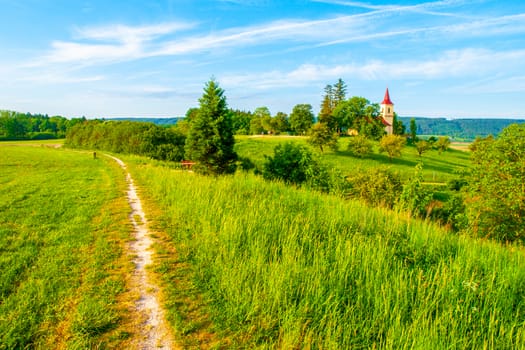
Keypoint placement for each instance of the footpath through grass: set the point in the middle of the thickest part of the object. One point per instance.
(63, 230)
(276, 267)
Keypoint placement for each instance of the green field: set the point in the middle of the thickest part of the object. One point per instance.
(242, 262)
(436, 167)
(277, 267)
(63, 227)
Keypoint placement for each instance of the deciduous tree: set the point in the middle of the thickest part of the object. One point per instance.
(495, 202)
(442, 143)
(392, 145)
(422, 146)
(321, 136)
(359, 146)
(301, 118)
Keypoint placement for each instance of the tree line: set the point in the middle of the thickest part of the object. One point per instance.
(27, 126)
(138, 138)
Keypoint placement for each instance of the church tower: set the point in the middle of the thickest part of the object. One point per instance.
(387, 113)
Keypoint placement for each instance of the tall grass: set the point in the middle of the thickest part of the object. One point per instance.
(287, 268)
(63, 226)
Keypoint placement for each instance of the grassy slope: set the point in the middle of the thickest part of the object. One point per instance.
(436, 167)
(280, 267)
(63, 226)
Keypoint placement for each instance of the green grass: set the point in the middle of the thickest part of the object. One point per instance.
(436, 167)
(284, 268)
(63, 227)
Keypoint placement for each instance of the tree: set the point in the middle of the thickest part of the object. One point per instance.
(495, 193)
(414, 197)
(442, 143)
(398, 127)
(301, 118)
(376, 186)
(359, 146)
(392, 145)
(321, 135)
(422, 146)
(413, 130)
(371, 126)
(281, 123)
(291, 163)
(349, 113)
(210, 140)
(241, 121)
(327, 108)
(339, 92)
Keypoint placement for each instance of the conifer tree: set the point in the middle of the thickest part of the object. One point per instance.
(327, 107)
(339, 92)
(210, 139)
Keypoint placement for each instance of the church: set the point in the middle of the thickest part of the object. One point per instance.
(387, 113)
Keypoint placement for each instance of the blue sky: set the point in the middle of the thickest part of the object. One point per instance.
(447, 58)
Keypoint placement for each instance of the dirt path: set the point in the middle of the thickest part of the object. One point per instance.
(154, 330)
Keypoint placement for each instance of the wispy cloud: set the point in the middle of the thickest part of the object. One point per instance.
(423, 8)
(450, 64)
(111, 43)
(115, 43)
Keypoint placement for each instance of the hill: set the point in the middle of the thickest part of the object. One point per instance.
(280, 267)
(460, 129)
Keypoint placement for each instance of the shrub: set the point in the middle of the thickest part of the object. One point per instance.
(291, 163)
(415, 198)
(377, 186)
(360, 146)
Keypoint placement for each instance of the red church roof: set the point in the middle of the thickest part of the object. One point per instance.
(386, 100)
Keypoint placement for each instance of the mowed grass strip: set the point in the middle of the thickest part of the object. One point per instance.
(284, 268)
(63, 268)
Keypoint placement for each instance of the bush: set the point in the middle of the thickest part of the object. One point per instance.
(291, 163)
(415, 198)
(296, 164)
(360, 146)
(495, 194)
(377, 186)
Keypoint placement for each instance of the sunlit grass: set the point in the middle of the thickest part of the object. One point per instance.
(284, 268)
(63, 227)
(436, 167)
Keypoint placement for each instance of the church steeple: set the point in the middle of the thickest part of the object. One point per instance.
(386, 100)
(387, 113)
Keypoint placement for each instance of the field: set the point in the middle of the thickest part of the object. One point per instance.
(244, 263)
(63, 226)
(437, 168)
(277, 267)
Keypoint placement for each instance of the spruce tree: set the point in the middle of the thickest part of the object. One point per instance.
(327, 108)
(339, 92)
(210, 139)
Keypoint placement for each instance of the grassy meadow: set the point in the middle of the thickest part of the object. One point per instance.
(269, 266)
(63, 230)
(242, 262)
(437, 168)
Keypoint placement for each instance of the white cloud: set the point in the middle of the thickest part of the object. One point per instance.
(423, 8)
(112, 43)
(450, 64)
(117, 43)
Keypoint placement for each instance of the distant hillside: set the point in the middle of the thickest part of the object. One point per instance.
(466, 129)
(158, 121)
